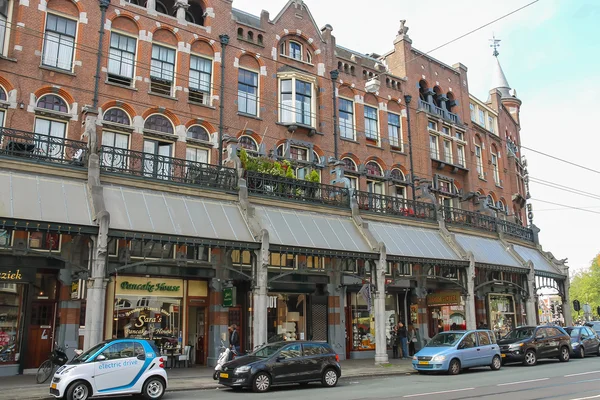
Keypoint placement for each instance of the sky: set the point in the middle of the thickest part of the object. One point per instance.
(549, 53)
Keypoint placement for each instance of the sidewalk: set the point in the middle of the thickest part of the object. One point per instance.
(24, 386)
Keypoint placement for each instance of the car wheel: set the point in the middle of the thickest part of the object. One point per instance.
(598, 353)
(581, 352)
(79, 390)
(216, 376)
(565, 354)
(262, 382)
(496, 363)
(330, 377)
(154, 388)
(454, 367)
(530, 358)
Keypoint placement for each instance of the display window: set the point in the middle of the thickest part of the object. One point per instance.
(11, 298)
(502, 313)
(363, 319)
(286, 317)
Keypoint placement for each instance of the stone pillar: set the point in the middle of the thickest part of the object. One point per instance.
(259, 293)
(218, 319)
(566, 304)
(471, 316)
(422, 315)
(181, 6)
(336, 329)
(530, 305)
(381, 355)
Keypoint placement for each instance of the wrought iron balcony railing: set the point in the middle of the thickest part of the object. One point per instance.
(516, 230)
(379, 203)
(137, 163)
(38, 147)
(296, 189)
(469, 218)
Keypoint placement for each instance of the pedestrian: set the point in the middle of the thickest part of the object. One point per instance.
(234, 339)
(440, 327)
(394, 341)
(403, 336)
(412, 340)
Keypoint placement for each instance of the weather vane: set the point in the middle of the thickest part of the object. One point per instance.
(495, 44)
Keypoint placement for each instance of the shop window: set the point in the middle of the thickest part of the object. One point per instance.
(11, 299)
(286, 316)
(5, 237)
(241, 257)
(501, 313)
(139, 248)
(282, 260)
(363, 318)
(198, 253)
(44, 241)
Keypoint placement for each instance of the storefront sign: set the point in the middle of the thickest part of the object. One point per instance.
(149, 286)
(17, 275)
(229, 297)
(443, 298)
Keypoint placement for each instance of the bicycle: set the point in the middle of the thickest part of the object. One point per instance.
(57, 358)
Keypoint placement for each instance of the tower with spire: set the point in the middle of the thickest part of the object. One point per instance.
(500, 86)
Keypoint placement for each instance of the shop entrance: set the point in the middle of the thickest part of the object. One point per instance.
(41, 333)
(197, 333)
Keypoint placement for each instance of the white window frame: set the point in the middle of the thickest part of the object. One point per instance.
(313, 97)
(434, 151)
(479, 160)
(134, 60)
(481, 115)
(399, 140)
(460, 155)
(353, 127)
(74, 49)
(174, 75)
(491, 123)
(208, 95)
(377, 137)
(5, 40)
(289, 49)
(449, 133)
(473, 112)
(373, 185)
(448, 151)
(435, 126)
(256, 97)
(494, 161)
(196, 149)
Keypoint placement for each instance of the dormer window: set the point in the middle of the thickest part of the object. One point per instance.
(296, 50)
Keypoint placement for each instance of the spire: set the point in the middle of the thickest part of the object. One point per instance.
(499, 80)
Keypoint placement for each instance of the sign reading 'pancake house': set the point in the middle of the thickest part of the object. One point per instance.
(146, 286)
(443, 299)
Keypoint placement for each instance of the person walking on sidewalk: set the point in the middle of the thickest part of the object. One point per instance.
(234, 339)
(412, 339)
(402, 335)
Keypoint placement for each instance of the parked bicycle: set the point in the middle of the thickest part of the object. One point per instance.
(57, 358)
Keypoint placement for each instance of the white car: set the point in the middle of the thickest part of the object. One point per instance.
(112, 368)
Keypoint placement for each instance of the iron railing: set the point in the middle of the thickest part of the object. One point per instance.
(30, 145)
(469, 218)
(296, 189)
(382, 204)
(516, 230)
(154, 166)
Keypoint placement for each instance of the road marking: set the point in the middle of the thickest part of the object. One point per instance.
(518, 383)
(586, 398)
(442, 392)
(582, 373)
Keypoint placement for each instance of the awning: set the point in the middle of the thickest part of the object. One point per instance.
(173, 217)
(487, 251)
(410, 241)
(302, 229)
(540, 263)
(57, 204)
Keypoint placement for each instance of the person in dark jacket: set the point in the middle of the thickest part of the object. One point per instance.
(234, 339)
(402, 336)
(394, 341)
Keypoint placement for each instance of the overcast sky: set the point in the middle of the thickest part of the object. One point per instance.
(549, 52)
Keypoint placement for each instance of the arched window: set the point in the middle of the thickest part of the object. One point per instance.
(490, 201)
(195, 13)
(349, 164)
(159, 123)
(397, 174)
(248, 143)
(3, 96)
(501, 206)
(53, 103)
(423, 89)
(374, 169)
(316, 157)
(198, 132)
(436, 97)
(116, 115)
(251, 36)
(240, 33)
(260, 39)
(450, 103)
(161, 8)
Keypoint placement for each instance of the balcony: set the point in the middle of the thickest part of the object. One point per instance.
(435, 110)
(515, 230)
(267, 185)
(471, 219)
(390, 205)
(169, 169)
(41, 148)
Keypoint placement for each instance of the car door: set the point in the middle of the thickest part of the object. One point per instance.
(485, 348)
(288, 364)
(314, 357)
(541, 343)
(589, 340)
(117, 367)
(468, 350)
(553, 338)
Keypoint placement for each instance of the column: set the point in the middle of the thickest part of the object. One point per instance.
(422, 316)
(336, 325)
(530, 307)
(470, 303)
(566, 304)
(259, 293)
(218, 319)
(181, 6)
(381, 355)
(96, 285)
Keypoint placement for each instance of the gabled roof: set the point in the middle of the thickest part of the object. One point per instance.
(302, 5)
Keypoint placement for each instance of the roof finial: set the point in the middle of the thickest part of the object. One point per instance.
(495, 44)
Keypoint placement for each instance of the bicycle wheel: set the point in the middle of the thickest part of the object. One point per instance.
(44, 371)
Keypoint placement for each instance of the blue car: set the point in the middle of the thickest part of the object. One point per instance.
(455, 350)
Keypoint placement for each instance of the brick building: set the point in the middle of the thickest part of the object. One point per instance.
(146, 198)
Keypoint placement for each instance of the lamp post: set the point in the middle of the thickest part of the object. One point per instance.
(224, 42)
(407, 99)
(334, 76)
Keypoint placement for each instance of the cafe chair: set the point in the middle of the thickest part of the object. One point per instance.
(185, 356)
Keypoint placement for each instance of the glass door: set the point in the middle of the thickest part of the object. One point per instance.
(157, 159)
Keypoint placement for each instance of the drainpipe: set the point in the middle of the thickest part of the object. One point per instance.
(224, 42)
(334, 76)
(408, 98)
(103, 6)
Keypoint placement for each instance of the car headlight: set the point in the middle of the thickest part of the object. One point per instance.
(438, 358)
(515, 346)
(575, 344)
(242, 370)
(415, 358)
(67, 370)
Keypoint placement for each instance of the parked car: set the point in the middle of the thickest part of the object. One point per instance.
(528, 344)
(283, 363)
(595, 325)
(455, 350)
(584, 341)
(114, 367)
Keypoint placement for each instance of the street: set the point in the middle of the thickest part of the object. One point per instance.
(577, 379)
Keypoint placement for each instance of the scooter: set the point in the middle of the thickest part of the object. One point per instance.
(224, 354)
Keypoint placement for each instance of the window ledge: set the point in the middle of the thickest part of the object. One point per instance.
(397, 150)
(349, 140)
(241, 114)
(60, 71)
(196, 103)
(499, 186)
(482, 178)
(199, 142)
(8, 58)
(374, 146)
(164, 96)
(120, 85)
(300, 126)
(295, 59)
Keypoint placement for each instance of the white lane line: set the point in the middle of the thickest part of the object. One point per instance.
(582, 373)
(518, 383)
(442, 392)
(586, 398)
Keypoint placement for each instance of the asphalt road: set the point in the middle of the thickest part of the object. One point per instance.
(575, 380)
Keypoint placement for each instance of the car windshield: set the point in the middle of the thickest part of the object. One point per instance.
(445, 339)
(83, 357)
(268, 350)
(520, 333)
(573, 331)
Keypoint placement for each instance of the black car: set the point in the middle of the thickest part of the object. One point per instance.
(527, 344)
(283, 363)
(584, 341)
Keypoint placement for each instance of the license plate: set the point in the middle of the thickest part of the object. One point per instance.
(423, 362)
(503, 355)
(53, 386)
(222, 375)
